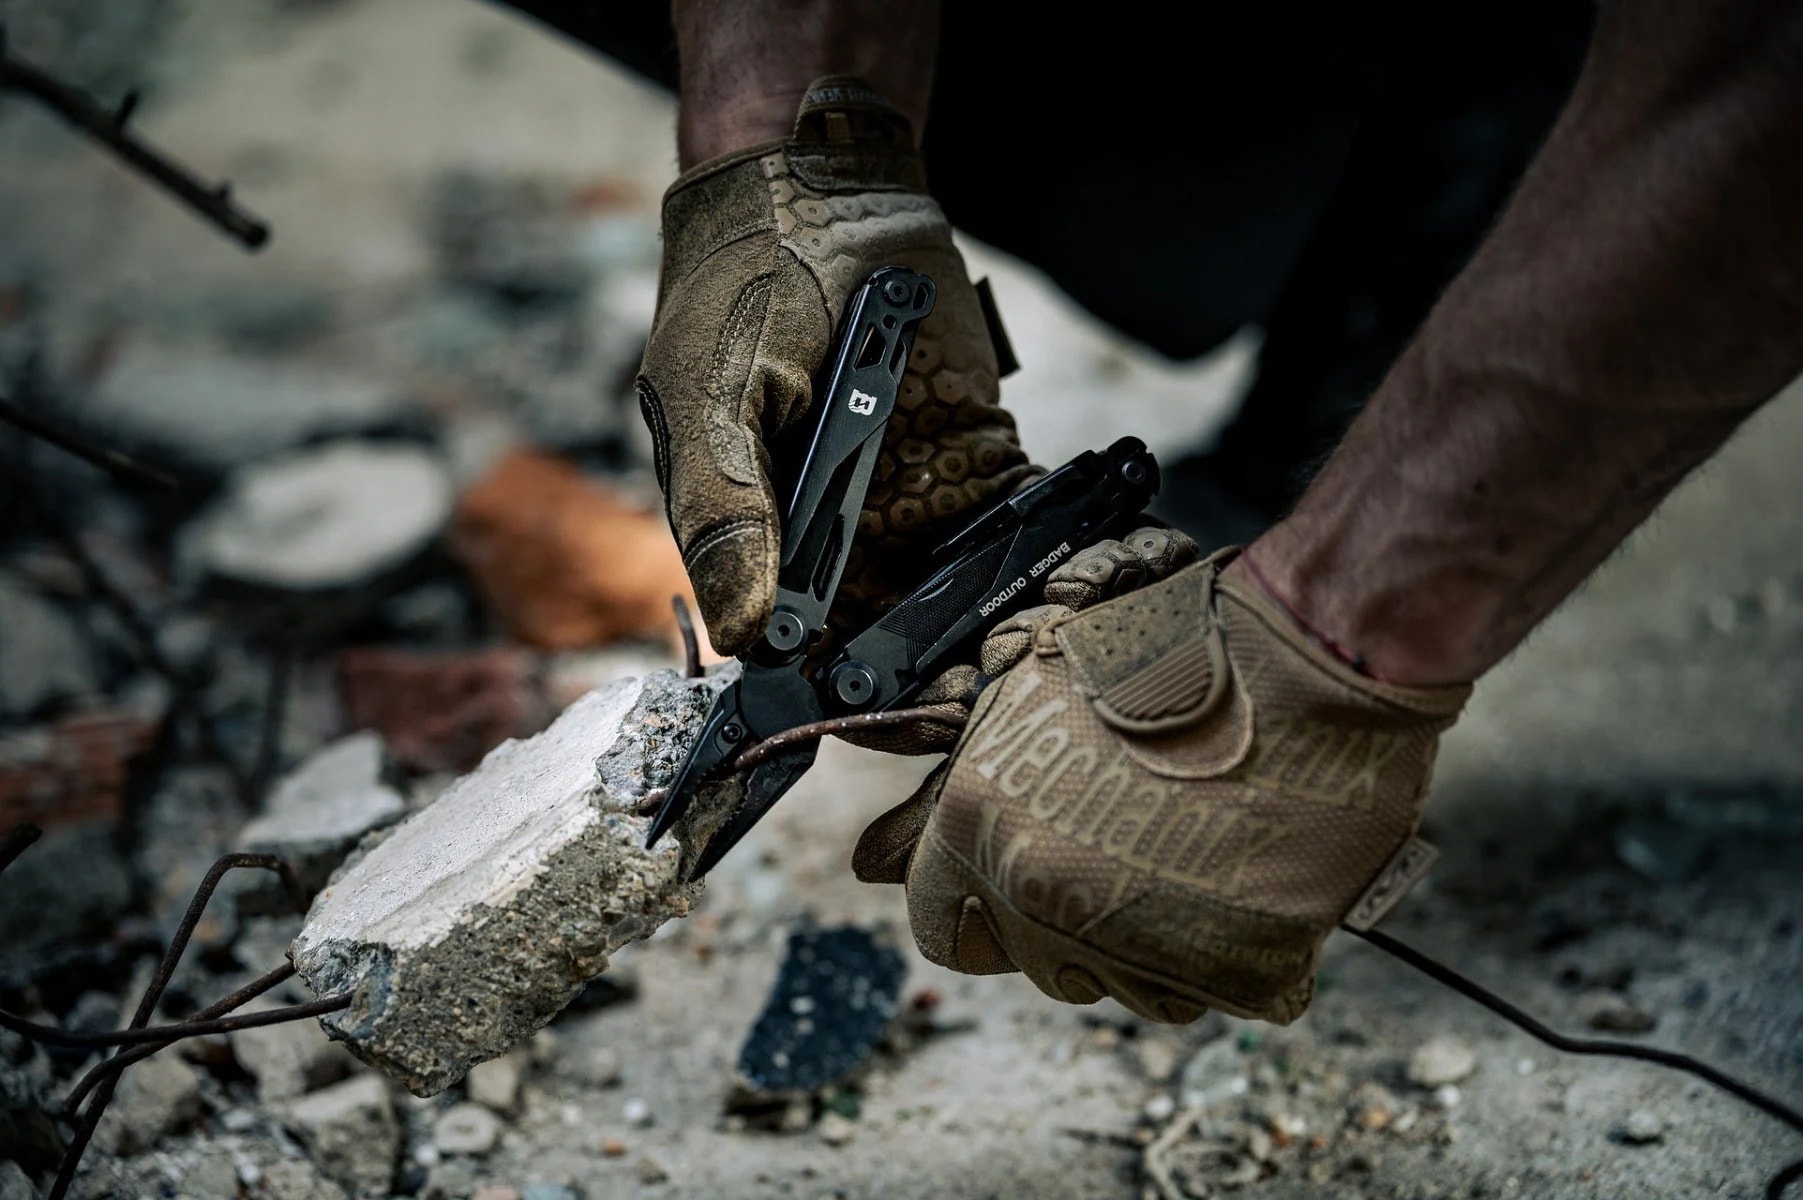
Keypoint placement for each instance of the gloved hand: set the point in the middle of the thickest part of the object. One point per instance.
(1171, 799)
(762, 249)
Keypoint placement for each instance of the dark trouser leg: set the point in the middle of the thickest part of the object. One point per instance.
(1466, 106)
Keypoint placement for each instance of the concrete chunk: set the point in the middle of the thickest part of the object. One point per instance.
(352, 1132)
(319, 811)
(476, 920)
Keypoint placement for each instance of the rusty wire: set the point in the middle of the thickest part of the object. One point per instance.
(858, 721)
(119, 465)
(112, 1067)
(212, 201)
(691, 645)
(108, 1080)
(99, 1084)
(52, 1035)
(116, 1063)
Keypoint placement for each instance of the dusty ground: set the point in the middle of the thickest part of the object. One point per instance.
(1659, 709)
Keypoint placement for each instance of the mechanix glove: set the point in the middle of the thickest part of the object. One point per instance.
(1171, 799)
(762, 249)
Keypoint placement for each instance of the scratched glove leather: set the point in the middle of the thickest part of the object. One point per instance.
(762, 249)
(1098, 572)
(1171, 799)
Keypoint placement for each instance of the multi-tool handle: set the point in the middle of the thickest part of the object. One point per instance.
(876, 337)
(858, 392)
(993, 569)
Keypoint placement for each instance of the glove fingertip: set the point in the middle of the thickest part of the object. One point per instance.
(733, 567)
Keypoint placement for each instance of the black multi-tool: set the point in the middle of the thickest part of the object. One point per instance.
(994, 568)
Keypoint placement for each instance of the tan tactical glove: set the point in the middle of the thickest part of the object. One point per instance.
(1171, 799)
(761, 251)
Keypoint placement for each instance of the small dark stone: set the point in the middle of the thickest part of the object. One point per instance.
(834, 995)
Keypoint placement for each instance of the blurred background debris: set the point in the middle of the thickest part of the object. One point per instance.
(323, 526)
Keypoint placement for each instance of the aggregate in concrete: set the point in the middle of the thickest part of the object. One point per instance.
(475, 921)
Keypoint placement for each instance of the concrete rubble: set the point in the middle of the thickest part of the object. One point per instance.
(297, 1179)
(288, 1060)
(470, 274)
(43, 656)
(15, 1184)
(160, 1096)
(471, 924)
(352, 1133)
(186, 406)
(466, 1129)
(495, 1084)
(320, 810)
(319, 519)
(1440, 1061)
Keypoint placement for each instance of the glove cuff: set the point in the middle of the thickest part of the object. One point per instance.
(846, 138)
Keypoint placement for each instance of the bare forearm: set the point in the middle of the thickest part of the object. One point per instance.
(1642, 295)
(745, 65)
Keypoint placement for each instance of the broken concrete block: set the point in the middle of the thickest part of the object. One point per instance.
(324, 807)
(352, 1132)
(473, 922)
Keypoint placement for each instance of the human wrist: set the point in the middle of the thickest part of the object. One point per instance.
(710, 127)
(1394, 626)
(747, 66)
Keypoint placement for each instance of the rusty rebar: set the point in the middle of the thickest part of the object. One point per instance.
(691, 645)
(118, 1062)
(212, 201)
(819, 729)
(119, 465)
(52, 1035)
(108, 1081)
(114, 1066)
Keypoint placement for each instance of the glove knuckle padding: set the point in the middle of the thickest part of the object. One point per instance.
(1177, 796)
(1112, 568)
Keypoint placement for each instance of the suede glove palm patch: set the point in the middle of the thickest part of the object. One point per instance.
(762, 249)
